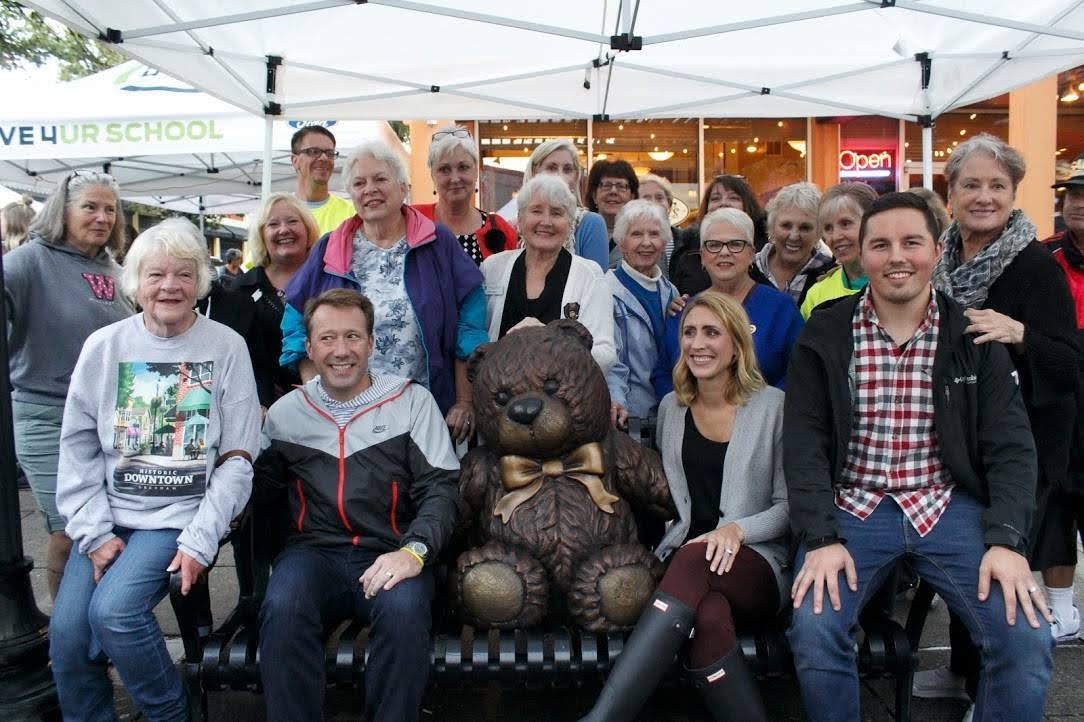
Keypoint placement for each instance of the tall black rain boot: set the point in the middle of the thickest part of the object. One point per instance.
(664, 627)
(729, 689)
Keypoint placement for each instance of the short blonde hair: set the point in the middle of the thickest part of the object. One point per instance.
(255, 248)
(745, 376)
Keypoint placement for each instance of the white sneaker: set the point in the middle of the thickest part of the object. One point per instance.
(939, 683)
(969, 714)
(1067, 629)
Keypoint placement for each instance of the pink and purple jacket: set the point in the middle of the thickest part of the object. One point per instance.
(442, 282)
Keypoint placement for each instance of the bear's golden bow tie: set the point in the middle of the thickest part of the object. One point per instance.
(522, 477)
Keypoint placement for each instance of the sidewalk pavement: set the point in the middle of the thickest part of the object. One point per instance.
(1065, 700)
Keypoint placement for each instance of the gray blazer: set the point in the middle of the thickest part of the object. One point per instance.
(754, 491)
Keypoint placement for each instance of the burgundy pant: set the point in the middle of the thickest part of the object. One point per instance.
(746, 593)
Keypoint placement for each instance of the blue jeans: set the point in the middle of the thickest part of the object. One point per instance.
(313, 588)
(114, 620)
(1016, 661)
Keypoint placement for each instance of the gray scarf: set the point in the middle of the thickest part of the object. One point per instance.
(969, 283)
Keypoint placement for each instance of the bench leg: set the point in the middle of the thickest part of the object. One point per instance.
(195, 697)
(904, 683)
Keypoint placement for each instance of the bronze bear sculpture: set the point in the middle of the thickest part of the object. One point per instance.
(548, 500)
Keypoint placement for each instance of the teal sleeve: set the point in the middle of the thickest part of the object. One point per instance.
(592, 240)
(471, 332)
(293, 338)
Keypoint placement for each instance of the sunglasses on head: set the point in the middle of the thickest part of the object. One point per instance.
(456, 133)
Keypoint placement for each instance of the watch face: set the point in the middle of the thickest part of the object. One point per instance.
(419, 548)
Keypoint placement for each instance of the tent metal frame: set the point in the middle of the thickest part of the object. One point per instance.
(130, 41)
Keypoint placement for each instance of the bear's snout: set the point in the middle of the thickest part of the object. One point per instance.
(525, 411)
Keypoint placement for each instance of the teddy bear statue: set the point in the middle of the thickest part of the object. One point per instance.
(549, 500)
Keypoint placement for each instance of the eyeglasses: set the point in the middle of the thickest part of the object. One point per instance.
(622, 186)
(457, 133)
(735, 245)
(314, 153)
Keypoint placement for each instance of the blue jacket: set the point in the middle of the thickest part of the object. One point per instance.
(629, 378)
(776, 325)
(442, 282)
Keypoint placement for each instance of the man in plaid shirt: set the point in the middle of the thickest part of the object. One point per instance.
(906, 439)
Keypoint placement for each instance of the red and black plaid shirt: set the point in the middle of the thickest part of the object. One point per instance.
(893, 449)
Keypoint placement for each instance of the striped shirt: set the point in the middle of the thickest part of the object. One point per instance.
(343, 411)
(893, 450)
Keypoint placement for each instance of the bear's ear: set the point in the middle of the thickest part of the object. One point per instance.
(573, 328)
(474, 363)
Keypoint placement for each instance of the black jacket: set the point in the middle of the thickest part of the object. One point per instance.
(1033, 290)
(982, 427)
(250, 305)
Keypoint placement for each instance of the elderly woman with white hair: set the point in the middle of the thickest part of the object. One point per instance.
(588, 237)
(427, 293)
(453, 165)
(794, 258)
(60, 287)
(543, 281)
(727, 238)
(642, 374)
(160, 428)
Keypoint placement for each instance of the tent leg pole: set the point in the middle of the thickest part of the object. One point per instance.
(927, 156)
(265, 180)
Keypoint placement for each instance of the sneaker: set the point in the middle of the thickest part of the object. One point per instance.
(969, 714)
(939, 683)
(1067, 629)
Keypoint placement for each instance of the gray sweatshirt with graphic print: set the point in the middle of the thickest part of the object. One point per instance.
(145, 424)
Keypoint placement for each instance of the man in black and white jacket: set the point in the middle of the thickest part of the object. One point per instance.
(371, 477)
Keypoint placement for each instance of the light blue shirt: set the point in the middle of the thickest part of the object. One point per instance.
(397, 339)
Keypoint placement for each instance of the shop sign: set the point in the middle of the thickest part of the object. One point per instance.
(865, 164)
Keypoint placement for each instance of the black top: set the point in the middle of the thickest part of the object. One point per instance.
(547, 307)
(1033, 290)
(703, 461)
(253, 307)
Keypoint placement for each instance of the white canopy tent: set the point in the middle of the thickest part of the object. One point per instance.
(492, 59)
(166, 143)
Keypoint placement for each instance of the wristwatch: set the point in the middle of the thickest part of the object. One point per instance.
(419, 548)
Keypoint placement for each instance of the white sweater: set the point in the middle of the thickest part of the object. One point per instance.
(586, 286)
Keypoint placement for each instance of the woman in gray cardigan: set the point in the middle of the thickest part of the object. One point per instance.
(719, 433)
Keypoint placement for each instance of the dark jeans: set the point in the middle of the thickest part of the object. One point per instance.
(312, 589)
(1016, 660)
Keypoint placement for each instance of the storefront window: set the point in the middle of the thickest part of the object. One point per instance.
(951, 129)
(768, 152)
(869, 151)
(1070, 133)
(505, 147)
(667, 148)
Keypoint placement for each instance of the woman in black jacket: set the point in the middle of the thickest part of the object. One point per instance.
(252, 304)
(1014, 293)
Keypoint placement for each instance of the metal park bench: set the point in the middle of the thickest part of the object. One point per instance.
(226, 657)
